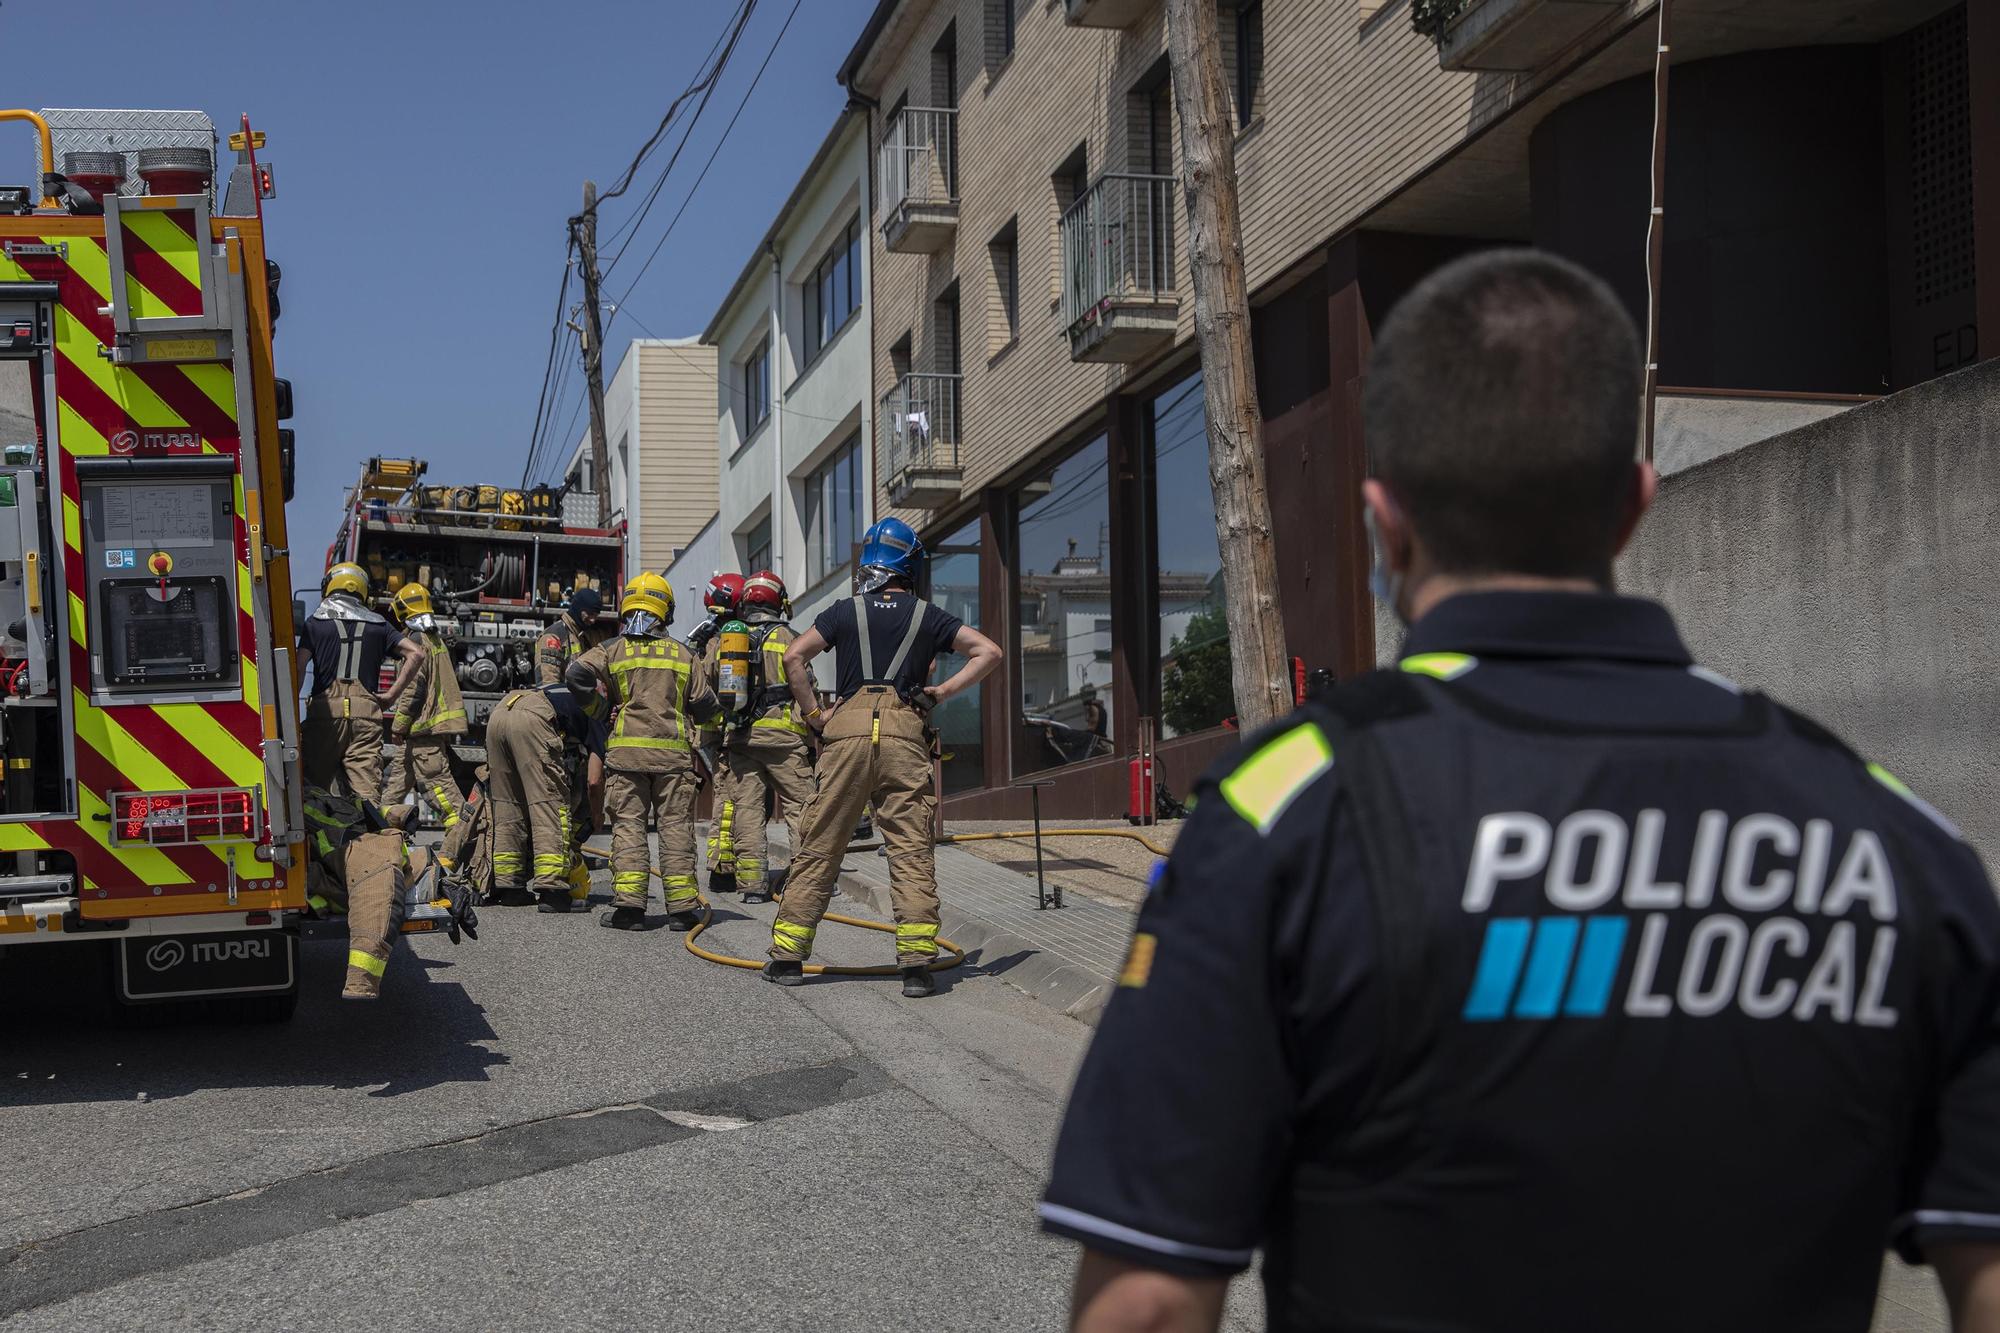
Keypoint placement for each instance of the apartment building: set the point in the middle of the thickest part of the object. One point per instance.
(788, 411)
(659, 434)
(1039, 412)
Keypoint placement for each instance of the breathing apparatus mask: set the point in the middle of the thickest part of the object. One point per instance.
(642, 625)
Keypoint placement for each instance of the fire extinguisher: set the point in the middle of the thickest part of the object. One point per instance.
(1141, 793)
(732, 657)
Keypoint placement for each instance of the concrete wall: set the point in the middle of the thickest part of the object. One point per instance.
(17, 403)
(1848, 568)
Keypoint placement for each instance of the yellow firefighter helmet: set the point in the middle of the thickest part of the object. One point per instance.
(649, 592)
(349, 578)
(411, 600)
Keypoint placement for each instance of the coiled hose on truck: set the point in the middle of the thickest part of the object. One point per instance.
(887, 969)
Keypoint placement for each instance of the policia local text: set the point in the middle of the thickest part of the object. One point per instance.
(1755, 864)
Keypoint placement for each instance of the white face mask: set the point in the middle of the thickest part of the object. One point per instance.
(643, 624)
(1383, 581)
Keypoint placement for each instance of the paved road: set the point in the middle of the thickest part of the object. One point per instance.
(557, 1126)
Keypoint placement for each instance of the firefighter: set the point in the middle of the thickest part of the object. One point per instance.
(526, 737)
(877, 750)
(357, 867)
(583, 626)
(766, 750)
(342, 740)
(428, 716)
(724, 597)
(661, 698)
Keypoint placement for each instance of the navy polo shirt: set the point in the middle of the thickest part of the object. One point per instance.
(1679, 1013)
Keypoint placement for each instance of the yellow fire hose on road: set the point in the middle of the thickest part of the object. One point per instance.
(957, 955)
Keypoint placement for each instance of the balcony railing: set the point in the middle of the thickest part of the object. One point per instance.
(920, 439)
(919, 179)
(1118, 259)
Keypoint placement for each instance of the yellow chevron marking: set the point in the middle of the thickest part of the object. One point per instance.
(168, 241)
(21, 838)
(88, 261)
(140, 766)
(11, 271)
(72, 525)
(148, 865)
(78, 622)
(216, 742)
(215, 379)
(80, 439)
(126, 389)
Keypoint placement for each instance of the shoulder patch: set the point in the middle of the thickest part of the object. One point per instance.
(1264, 786)
(553, 641)
(1929, 811)
(1439, 666)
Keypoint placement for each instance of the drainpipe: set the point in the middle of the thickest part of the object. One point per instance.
(777, 414)
(870, 405)
(1656, 225)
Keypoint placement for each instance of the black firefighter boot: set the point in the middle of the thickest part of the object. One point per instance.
(624, 918)
(918, 982)
(785, 972)
(553, 900)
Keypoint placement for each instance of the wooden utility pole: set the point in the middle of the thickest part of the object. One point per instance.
(593, 354)
(1260, 672)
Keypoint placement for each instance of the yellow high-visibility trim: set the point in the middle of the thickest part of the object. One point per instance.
(797, 939)
(781, 724)
(367, 962)
(1889, 780)
(916, 930)
(1265, 784)
(448, 715)
(1439, 666)
(72, 524)
(647, 743)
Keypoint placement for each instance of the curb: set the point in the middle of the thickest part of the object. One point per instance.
(1070, 990)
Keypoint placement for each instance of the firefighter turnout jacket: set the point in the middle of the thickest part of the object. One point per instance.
(565, 641)
(431, 705)
(660, 698)
(1558, 977)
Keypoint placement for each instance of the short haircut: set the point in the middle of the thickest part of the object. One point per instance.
(1502, 411)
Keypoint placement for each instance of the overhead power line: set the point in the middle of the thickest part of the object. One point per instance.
(713, 153)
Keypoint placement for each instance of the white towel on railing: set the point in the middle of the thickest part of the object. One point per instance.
(917, 426)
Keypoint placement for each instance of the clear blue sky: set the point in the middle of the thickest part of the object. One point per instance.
(427, 155)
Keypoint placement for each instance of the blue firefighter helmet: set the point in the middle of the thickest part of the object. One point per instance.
(891, 546)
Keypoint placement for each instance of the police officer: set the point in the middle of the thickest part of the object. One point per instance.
(341, 744)
(526, 736)
(429, 715)
(660, 700)
(722, 601)
(766, 753)
(1547, 981)
(877, 749)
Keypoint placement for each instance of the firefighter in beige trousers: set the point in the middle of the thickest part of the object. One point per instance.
(341, 740)
(429, 714)
(878, 748)
(358, 870)
(661, 699)
(529, 789)
(767, 751)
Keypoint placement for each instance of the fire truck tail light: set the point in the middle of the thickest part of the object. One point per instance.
(178, 818)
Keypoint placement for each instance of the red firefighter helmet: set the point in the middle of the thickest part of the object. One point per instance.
(725, 593)
(766, 591)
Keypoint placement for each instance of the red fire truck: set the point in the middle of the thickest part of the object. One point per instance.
(151, 804)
